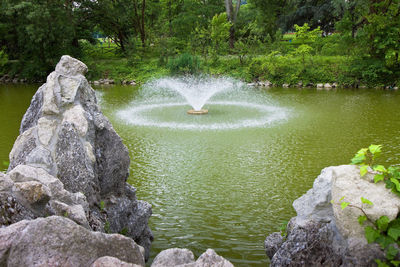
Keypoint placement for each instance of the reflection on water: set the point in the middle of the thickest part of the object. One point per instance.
(229, 189)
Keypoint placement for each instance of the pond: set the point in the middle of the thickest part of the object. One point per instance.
(227, 187)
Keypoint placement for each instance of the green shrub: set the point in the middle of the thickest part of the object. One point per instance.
(184, 64)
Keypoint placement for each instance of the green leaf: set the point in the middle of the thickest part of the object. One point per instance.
(396, 183)
(366, 201)
(375, 149)
(382, 223)
(344, 204)
(395, 263)
(371, 234)
(379, 168)
(102, 205)
(391, 252)
(332, 202)
(341, 199)
(394, 232)
(358, 159)
(381, 263)
(384, 241)
(362, 219)
(379, 177)
(363, 170)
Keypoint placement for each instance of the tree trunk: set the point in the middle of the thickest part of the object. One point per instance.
(232, 15)
(142, 26)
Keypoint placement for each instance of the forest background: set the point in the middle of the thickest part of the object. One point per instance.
(350, 42)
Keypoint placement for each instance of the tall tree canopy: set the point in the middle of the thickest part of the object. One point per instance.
(40, 31)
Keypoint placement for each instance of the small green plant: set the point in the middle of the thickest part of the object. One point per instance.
(366, 158)
(382, 231)
(283, 228)
(124, 231)
(102, 205)
(107, 227)
(5, 165)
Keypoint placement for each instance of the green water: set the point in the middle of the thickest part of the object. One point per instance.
(228, 189)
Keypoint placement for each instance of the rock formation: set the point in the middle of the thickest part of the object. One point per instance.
(58, 241)
(69, 161)
(322, 234)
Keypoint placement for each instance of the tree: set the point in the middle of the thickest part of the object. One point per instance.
(267, 13)
(36, 33)
(316, 13)
(220, 31)
(232, 13)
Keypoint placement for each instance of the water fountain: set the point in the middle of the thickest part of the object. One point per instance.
(196, 91)
(232, 105)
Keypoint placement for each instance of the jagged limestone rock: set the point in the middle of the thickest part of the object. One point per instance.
(321, 236)
(65, 134)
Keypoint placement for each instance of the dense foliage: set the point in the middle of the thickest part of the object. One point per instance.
(308, 41)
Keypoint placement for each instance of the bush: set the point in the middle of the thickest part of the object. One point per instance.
(184, 64)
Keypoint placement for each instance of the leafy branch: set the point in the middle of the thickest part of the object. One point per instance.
(383, 231)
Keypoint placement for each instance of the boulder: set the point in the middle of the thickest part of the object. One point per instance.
(58, 241)
(322, 234)
(176, 257)
(211, 258)
(320, 85)
(108, 261)
(272, 243)
(173, 257)
(327, 86)
(349, 185)
(285, 85)
(65, 135)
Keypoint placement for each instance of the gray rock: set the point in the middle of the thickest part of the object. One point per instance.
(320, 85)
(112, 158)
(177, 257)
(285, 85)
(70, 66)
(64, 133)
(309, 245)
(33, 113)
(272, 243)
(12, 211)
(317, 236)
(315, 204)
(327, 86)
(58, 241)
(108, 261)
(46, 130)
(349, 184)
(173, 257)
(23, 146)
(38, 194)
(74, 166)
(211, 259)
